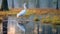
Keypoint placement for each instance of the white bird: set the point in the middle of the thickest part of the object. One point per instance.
(23, 12)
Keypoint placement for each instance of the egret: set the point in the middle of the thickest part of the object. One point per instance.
(23, 12)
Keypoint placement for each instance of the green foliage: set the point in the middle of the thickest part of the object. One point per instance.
(53, 20)
(56, 20)
(46, 20)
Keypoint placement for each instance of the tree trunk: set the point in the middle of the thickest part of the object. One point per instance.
(4, 5)
(12, 3)
(57, 5)
(37, 6)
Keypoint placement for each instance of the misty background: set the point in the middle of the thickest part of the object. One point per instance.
(33, 3)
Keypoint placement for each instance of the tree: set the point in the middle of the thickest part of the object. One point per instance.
(12, 3)
(4, 5)
(37, 5)
(57, 5)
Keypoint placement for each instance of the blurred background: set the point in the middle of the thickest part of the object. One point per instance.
(42, 17)
(32, 3)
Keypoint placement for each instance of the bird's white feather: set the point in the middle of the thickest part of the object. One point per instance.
(23, 12)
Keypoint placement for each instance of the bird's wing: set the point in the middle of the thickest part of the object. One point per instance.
(21, 13)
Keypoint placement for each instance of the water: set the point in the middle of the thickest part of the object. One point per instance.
(30, 26)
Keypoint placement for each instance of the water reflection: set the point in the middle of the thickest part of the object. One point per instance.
(31, 27)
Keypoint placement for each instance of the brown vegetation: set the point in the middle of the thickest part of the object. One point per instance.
(35, 11)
